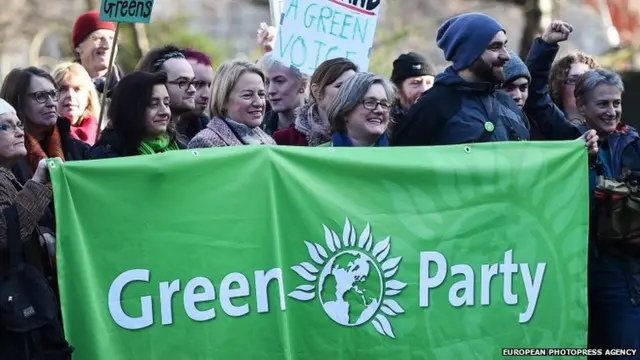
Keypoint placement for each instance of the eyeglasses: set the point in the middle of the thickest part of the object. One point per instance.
(43, 96)
(185, 84)
(11, 127)
(572, 80)
(100, 39)
(200, 84)
(372, 104)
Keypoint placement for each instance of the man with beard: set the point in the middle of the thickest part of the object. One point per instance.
(465, 105)
(181, 80)
(412, 75)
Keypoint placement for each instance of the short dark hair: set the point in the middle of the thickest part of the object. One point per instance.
(152, 61)
(16, 84)
(129, 102)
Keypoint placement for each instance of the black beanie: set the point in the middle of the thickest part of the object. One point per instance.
(411, 65)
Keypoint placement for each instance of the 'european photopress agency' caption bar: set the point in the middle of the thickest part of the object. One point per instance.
(567, 352)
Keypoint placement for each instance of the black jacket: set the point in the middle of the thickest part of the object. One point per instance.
(454, 111)
(189, 128)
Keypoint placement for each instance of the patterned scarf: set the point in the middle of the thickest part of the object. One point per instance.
(157, 145)
(309, 124)
(247, 135)
(35, 153)
(340, 139)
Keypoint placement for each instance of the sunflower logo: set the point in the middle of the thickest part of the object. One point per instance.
(352, 279)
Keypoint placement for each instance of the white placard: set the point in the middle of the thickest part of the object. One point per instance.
(312, 31)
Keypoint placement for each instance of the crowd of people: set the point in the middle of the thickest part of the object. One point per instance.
(175, 99)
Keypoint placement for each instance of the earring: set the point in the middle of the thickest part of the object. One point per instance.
(301, 91)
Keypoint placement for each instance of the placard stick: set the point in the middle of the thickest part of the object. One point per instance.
(109, 72)
(272, 6)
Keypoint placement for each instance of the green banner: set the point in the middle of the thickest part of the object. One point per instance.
(324, 253)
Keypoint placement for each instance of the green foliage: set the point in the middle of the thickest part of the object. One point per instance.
(174, 30)
(383, 54)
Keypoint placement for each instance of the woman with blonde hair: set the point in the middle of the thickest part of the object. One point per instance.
(238, 102)
(79, 100)
(287, 90)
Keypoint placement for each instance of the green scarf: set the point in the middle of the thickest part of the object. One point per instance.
(157, 145)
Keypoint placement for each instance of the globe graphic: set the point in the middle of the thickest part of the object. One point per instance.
(350, 288)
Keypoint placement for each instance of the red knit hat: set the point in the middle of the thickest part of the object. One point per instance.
(88, 23)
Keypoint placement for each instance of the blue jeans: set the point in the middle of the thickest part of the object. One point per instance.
(614, 314)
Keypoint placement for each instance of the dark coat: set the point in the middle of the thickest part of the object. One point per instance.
(540, 109)
(270, 121)
(455, 111)
(31, 202)
(190, 127)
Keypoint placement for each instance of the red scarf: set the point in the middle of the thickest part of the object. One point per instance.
(35, 153)
(85, 129)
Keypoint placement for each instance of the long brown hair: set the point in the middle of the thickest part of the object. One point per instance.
(328, 72)
(129, 102)
(16, 85)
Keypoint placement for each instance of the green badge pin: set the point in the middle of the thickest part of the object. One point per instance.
(489, 126)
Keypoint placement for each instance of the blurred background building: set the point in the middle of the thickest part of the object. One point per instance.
(38, 32)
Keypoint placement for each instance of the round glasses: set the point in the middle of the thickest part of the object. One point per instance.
(43, 96)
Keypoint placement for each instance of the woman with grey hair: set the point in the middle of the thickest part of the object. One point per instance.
(614, 265)
(360, 113)
(287, 89)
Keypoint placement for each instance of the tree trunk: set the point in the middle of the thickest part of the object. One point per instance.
(92, 4)
(533, 17)
(140, 40)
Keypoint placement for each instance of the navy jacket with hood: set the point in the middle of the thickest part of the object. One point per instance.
(455, 111)
(539, 107)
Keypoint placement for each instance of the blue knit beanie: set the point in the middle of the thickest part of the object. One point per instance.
(515, 69)
(465, 37)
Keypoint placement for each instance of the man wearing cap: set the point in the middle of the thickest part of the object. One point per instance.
(465, 104)
(516, 83)
(93, 42)
(412, 75)
(516, 80)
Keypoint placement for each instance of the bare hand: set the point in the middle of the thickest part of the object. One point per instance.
(41, 174)
(267, 39)
(556, 32)
(591, 141)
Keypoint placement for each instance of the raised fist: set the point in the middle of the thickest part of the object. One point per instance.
(556, 32)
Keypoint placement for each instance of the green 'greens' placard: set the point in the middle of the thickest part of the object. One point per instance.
(126, 11)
